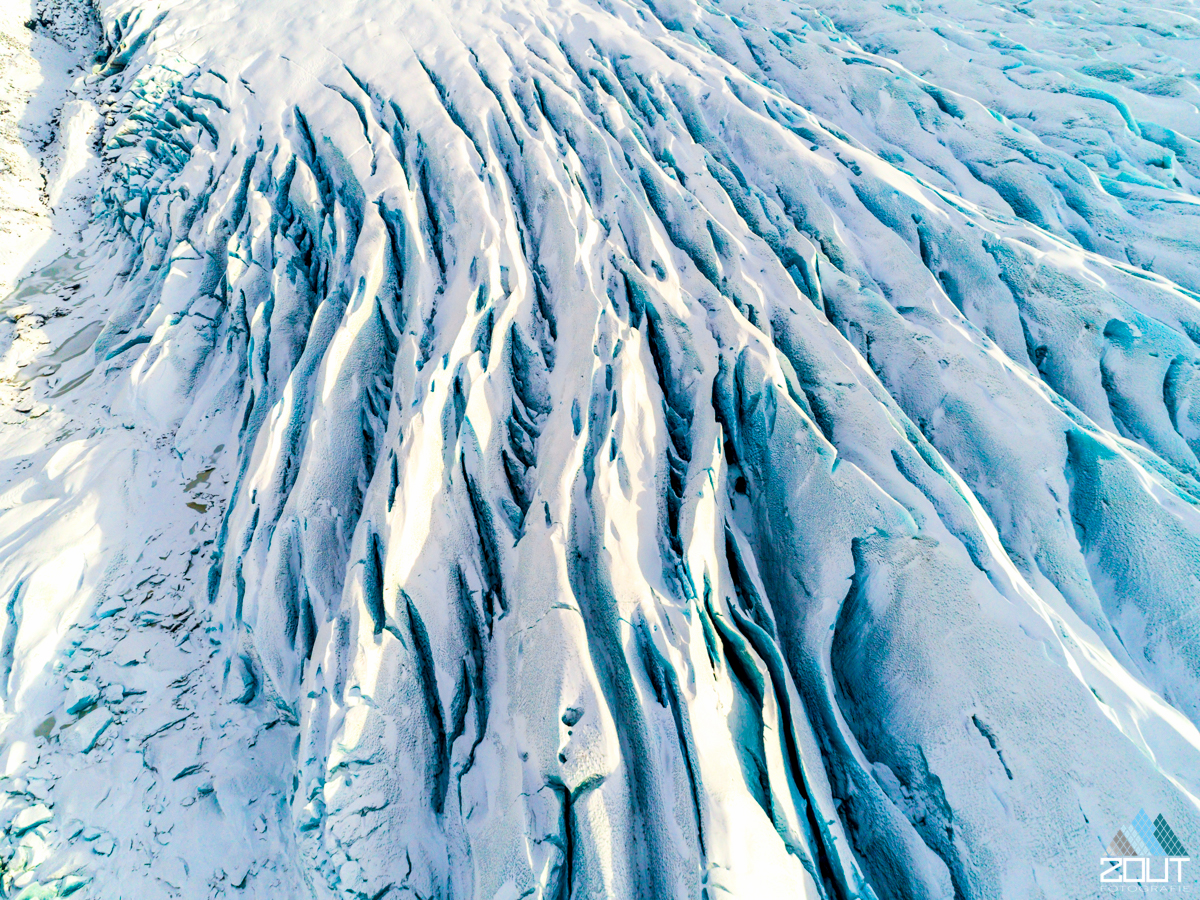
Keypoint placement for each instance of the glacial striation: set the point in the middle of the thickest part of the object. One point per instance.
(581, 449)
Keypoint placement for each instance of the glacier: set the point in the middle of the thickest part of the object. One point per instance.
(585, 449)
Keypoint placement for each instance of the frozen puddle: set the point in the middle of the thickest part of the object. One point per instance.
(75, 345)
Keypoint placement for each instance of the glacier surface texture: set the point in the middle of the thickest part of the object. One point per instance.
(580, 449)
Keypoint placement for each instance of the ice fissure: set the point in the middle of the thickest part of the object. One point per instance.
(611, 449)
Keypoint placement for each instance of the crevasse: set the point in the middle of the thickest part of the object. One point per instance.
(646, 450)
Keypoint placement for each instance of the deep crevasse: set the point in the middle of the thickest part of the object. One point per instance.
(613, 449)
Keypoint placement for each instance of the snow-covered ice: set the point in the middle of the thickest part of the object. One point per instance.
(596, 448)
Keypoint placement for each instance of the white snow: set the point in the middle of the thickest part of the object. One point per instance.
(30, 818)
(597, 448)
(81, 736)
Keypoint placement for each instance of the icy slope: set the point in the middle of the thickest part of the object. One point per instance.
(42, 48)
(591, 449)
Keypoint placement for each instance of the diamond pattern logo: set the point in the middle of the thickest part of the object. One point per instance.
(1120, 846)
(1166, 838)
(1146, 838)
(1137, 853)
